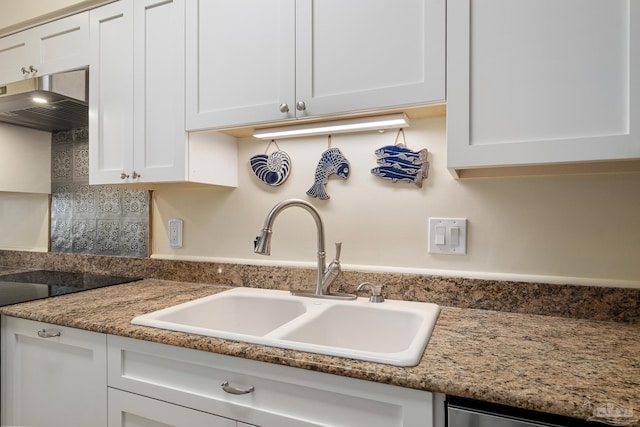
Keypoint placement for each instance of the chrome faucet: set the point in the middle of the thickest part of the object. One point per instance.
(325, 275)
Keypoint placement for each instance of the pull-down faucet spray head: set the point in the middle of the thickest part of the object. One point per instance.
(262, 244)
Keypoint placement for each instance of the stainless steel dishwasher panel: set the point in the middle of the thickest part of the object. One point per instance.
(461, 417)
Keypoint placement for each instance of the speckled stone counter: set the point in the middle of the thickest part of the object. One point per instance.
(543, 363)
(573, 301)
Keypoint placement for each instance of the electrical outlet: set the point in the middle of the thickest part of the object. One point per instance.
(448, 236)
(175, 233)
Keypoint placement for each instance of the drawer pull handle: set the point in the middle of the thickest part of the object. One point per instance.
(46, 334)
(232, 390)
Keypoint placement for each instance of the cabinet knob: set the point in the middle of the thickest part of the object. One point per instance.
(123, 175)
(301, 106)
(28, 70)
(284, 108)
(135, 175)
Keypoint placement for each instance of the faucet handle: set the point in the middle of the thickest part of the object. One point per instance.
(376, 291)
(338, 250)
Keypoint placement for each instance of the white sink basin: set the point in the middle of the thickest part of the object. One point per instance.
(382, 329)
(229, 314)
(392, 332)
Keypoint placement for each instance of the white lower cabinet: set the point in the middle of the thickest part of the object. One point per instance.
(132, 410)
(269, 395)
(56, 376)
(52, 376)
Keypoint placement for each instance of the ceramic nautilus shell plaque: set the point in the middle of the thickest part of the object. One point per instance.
(272, 169)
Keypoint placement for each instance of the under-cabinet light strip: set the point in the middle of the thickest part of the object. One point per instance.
(391, 121)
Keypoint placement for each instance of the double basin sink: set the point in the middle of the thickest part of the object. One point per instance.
(393, 332)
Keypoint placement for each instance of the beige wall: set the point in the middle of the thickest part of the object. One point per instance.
(566, 229)
(24, 223)
(573, 229)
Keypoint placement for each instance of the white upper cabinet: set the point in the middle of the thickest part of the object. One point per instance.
(137, 101)
(111, 93)
(360, 54)
(539, 82)
(158, 67)
(258, 61)
(50, 48)
(240, 61)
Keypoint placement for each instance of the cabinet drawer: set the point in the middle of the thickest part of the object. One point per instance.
(281, 396)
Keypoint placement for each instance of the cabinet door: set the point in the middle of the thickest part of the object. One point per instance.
(541, 82)
(55, 381)
(62, 45)
(15, 53)
(240, 62)
(132, 410)
(111, 93)
(159, 129)
(358, 55)
(281, 396)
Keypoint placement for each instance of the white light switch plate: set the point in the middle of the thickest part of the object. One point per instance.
(454, 231)
(175, 233)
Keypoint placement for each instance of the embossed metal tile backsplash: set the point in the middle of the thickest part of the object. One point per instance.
(92, 219)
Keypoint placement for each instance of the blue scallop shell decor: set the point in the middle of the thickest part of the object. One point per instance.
(272, 169)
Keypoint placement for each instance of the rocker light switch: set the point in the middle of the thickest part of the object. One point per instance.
(440, 232)
(448, 236)
(455, 236)
(175, 233)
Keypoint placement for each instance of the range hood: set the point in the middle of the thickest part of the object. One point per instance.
(49, 103)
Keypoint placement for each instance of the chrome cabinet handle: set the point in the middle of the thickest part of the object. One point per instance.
(46, 334)
(232, 390)
(284, 108)
(301, 106)
(123, 175)
(24, 70)
(32, 69)
(135, 175)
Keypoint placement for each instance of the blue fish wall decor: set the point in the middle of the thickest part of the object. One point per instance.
(398, 163)
(272, 169)
(331, 162)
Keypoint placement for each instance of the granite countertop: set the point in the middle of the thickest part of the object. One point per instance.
(555, 365)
